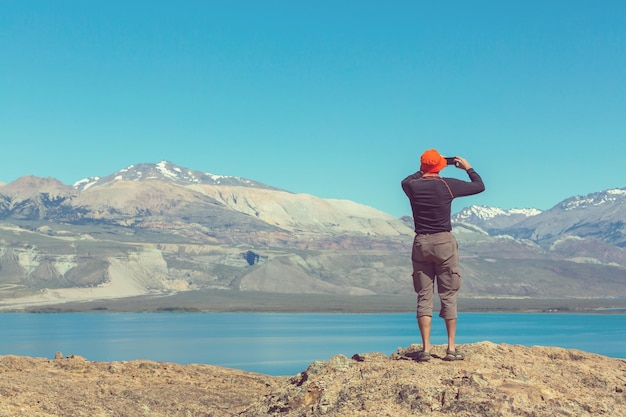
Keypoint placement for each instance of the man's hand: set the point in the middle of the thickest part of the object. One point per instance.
(461, 163)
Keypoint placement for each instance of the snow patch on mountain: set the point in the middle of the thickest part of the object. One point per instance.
(167, 171)
(594, 199)
(85, 183)
(565, 239)
(488, 213)
(617, 191)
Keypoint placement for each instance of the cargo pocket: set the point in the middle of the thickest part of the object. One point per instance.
(449, 280)
(455, 278)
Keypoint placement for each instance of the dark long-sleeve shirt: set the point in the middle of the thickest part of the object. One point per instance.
(431, 199)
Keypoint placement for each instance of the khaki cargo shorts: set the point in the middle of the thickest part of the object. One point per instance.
(436, 258)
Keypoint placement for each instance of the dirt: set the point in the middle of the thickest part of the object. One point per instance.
(496, 380)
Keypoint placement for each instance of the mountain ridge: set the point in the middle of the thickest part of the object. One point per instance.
(201, 232)
(600, 215)
(493, 217)
(166, 170)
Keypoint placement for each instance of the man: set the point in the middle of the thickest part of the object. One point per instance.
(435, 252)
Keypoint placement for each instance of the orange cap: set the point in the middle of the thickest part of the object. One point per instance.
(432, 161)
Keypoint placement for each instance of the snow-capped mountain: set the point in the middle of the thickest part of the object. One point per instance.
(600, 215)
(606, 198)
(490, 218)
(164, 195)
(167, 171)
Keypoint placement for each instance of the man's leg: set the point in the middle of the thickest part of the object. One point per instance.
(448, 285)
(424, 286)
(451, 329)
(425, 325)
(425, 298)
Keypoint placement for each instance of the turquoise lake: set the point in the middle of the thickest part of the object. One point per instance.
(282, 343)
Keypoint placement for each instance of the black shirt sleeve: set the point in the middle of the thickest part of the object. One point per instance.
(463, 188)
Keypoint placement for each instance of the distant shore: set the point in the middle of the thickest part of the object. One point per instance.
(229, 301)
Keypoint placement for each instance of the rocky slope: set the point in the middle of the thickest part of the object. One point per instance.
(494, 381)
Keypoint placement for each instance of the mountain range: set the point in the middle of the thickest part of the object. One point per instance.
(155, 229)
(600, 215)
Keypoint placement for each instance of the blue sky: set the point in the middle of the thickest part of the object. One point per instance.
(332, 98)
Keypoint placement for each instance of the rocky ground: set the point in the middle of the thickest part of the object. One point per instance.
(494, 380)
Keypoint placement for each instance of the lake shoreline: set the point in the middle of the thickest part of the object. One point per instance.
(250, 302)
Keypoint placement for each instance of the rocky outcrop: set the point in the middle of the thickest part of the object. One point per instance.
(73, 386)
(493, 380)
